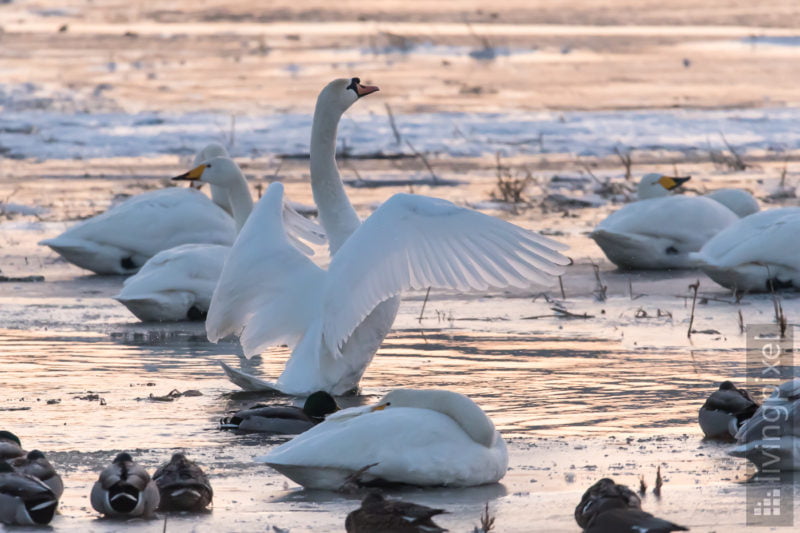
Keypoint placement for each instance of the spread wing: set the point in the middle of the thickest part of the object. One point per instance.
(415, 242)
(268, 291)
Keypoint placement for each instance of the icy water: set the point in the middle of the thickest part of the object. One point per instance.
(104, 100)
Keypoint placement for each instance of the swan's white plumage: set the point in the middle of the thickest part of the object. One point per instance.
(661, 232)
(739, 201)
(771, 438)
(752, 254)
(173, 281)
(415, 242)
(123, 238)
(422, 442)
(270, 294)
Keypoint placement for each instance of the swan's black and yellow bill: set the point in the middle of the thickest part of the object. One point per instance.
(362, 90)
(195, 174)
(671, 182)
(379, 407)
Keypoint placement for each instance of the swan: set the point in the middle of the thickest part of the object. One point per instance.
(659, 231)
(336, 319)
(283, 419)
(123, 238)
(725, 411)
(607, 507)
(741, 202)
(24, 499)
(416, 437)
(770, 439)
(125, 490)
(379, 514)
(182, 485)
(752, 255)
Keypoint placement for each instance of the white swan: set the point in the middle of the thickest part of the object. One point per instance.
(123, 238)
(754, 254)
(739, 201)
(335, 320)
(771, 438)
(177, 284)
(417, 437)
(659, 231)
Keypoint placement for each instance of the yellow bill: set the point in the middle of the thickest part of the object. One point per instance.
(195, 174)
(670, 182)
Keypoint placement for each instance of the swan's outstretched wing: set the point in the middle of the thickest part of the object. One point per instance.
(265, 292)
(415, 242)
(299, 227)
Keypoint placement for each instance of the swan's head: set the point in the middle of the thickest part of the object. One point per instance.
(221, 171)
(211, 151)
(464, 411)
(341, 93)
(654, 185)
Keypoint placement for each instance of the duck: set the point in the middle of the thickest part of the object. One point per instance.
(283, 419)
(411, 436)
(36, 464)
(725, 411)
(177, 284)
(770, 439)
(10, 446)
(335, 320)
(607, 507)
(752, 256)
(24, 499)
(122, 239)
(377, 514)
(125, 490)
(182, 485)
(659, 231)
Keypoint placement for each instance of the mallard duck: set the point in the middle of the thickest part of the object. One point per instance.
(659, 231)
(607, 507)
(377, 514)
(283, 419)
(725, 411)
(10, 446)
(335, 320)
(125, 490)
(752, 255)
(24, 499)
(771, 437)
(123, 238)
(417, 437)
(183, 485)
(36, 464)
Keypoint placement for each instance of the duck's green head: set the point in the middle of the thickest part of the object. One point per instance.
(320, 404)
(5, 467)
(7, 435)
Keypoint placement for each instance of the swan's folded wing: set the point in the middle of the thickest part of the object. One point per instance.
(300, 229)
(415, 242)
(266, 291)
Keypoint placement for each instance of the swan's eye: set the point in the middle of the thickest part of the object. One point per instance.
(354, 83)
(208, 165)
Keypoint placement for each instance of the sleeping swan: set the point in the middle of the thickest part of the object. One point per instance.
(336, 319)
(417, 437)
(659, 231)
(123, 238)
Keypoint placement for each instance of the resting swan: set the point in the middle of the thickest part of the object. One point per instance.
(335, 320)
(123, 238)
(177, 284)
(417, 437)
(770, 439)
(754, 254)
(659, 231)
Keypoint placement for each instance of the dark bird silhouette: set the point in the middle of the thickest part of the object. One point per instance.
(378, 515)
(610, 508)
(183, 485)
(725, 411)
(24, 499)
(283, 419)
(125, 490)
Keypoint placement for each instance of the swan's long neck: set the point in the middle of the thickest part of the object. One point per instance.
(240, 200)
(219, 195)
(335, 211)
